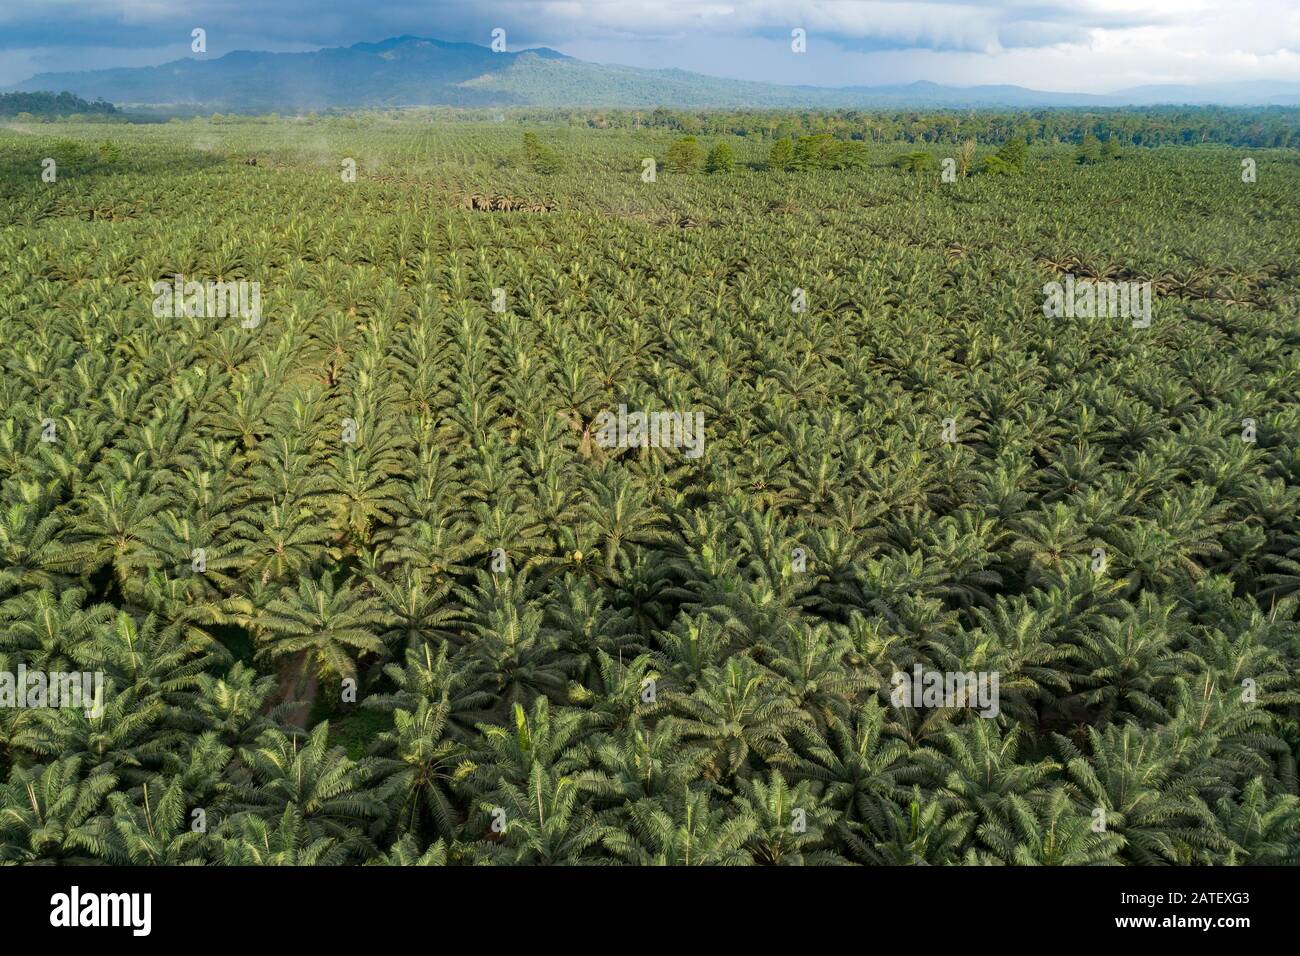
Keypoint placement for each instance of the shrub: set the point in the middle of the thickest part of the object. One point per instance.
(1009, 160)
(539, 157)
(821, 151)
(720, 159)
(814, 152)
(684, 155)
(849, 154)
(1090, 150)
(915, 162)
(781, 155)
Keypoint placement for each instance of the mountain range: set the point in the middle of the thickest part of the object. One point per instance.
(418, 71)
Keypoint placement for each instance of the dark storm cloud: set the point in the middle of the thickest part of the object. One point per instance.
(848, 40)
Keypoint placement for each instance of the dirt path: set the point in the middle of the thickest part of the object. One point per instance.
(296, 683)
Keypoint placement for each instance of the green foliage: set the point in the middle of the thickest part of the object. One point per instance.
(683, 661)
(781, 155)
(851, 154)
(684, 156)
(720, 159)
(1089, 150)
(822, 151)
(1009, 160)
(539, 157)
(52, 104)
(915, 162)
(69, 153)
(109, 152)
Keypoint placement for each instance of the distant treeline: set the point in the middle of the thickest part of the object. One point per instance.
(1273, 126)
(51, 104)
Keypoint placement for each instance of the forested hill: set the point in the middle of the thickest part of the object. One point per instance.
(51, 104)
(418, 71)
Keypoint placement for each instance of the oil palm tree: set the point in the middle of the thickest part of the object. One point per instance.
(737, 713)
(791, 826)
(1053, 835)
(406, 852)
(247, 839)
(157, 832)
(423, 765)
(53, 813)
(1145, 786)
(853, 764)
(920, 832)
(978, 768)
(322, 624)
(323, 794)
(682, 830)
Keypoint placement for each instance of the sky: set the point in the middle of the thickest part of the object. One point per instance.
(1092, 46)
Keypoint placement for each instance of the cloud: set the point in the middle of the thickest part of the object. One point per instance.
(1077, 44)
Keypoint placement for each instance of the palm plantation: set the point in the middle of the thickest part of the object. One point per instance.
(365, 588)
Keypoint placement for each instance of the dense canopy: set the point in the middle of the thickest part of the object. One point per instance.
(364, 586)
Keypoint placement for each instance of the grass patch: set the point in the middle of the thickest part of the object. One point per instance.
(356, 731)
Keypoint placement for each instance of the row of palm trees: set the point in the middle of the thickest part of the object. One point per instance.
(723, 763)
